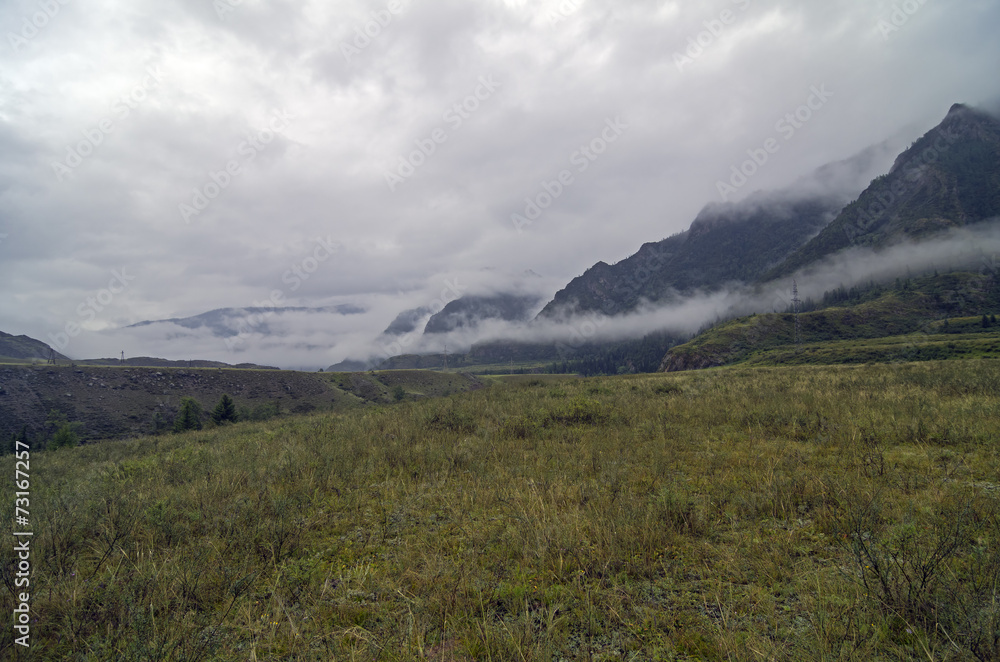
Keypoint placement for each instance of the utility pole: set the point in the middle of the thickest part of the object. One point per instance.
(123, 357)
(446, 357)
(795, 311)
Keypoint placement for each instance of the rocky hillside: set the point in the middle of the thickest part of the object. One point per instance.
(117, 402)
(909, 307)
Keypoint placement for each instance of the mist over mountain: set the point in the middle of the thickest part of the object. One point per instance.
(229, 322)
(469, 312)
(728, 243)
(948, 178)
(408, 321)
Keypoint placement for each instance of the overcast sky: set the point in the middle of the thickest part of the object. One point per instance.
(185, 155)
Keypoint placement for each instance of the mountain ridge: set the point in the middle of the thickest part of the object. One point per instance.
(948, 177)
(727, 242)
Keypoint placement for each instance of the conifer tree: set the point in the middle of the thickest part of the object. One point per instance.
(225, 411)
(189, 416)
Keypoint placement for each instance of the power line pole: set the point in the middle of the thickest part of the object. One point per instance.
(795, 311)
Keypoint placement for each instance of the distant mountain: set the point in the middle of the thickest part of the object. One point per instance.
(407, 321)
(25, 348)
(949, 177)
(726, 243)
(229, 322)
(349, 365)
(467, 312)
(153, 362)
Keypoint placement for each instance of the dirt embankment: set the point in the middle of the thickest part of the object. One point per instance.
(117, 402)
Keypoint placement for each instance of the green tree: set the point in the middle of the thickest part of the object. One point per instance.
(986, 321)
(159, 423)
(398, 393)
(189, 416)
(225, 411)
(65, 433)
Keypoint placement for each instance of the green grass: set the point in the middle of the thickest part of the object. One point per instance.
(911, 347)
(803, 513)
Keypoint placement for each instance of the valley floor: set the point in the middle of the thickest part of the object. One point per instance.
(794, 513)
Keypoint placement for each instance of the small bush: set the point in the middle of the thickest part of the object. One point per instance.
(261, 412)
(66, 433)
(452, 421)
(580, 411)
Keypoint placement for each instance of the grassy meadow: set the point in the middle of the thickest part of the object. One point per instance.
(804, 513)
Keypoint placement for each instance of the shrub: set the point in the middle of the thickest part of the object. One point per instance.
(65, 432)
(261, 412)
(580, 411)
(932, 567)
(452, 421)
